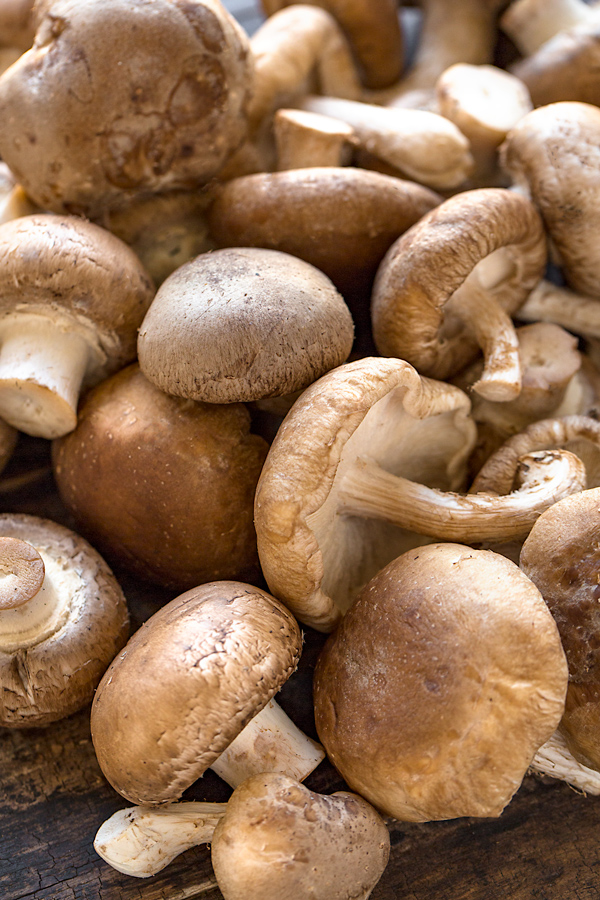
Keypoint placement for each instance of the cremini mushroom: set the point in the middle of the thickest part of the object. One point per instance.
(63, 617)
(72, 299)
(163, 486)
(491, 247)
(209, 662)
(170, 120)
(240, 324)
(441, 683)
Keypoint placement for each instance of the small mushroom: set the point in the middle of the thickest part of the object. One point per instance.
(441, 683)
(63, 618)
(209, 662)
(72, 299)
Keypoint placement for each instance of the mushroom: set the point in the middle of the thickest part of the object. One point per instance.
(72, 298)
(63, 618)
(441, 683)
(549, 302)
(562, 557)
(531, 23)
(17, 24)
(556, 760)
(491, 247)
(13, 200)
(304, 139)
(171, 119)
(243, 323)
(163, 486)
(209, 662)
(261, 840)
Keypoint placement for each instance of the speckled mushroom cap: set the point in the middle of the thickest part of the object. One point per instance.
(242, 324)
(93, 116)
(187, 683)
(411, 306)
(50, 669)
(315, 554)
(440, 684)
(278, 839)
(562, 558)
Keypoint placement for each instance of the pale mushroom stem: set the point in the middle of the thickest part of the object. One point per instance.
(140, 841)
(270, 742)
(550, 303)
(530, 23)
(41, 370)
(21, 572)
(555, 759)
(496, 335)
(545, 477)
(305, 139)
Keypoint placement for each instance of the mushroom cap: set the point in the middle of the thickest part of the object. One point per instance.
(171, 118)
(340, 219)
(241, 324)
(314, 558)
(278, 839)
(79, 276)
(411, 306)
(50, 674)
(440, 684)
(186, 684)
(17, 23)
(164, 486)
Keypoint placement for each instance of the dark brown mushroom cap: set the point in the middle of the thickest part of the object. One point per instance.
(186, 684)
(79, 276)
(56, 673)
(278, 839)
(342, 220)
(96, 118)
(241, 324)
(441, 683)
(162, 485)
(411, 301)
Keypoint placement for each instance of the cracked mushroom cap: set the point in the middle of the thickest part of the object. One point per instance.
(186, 684)
(56, 644)
(440, 684)
(241, 324)
(170, 120)
(279, 839)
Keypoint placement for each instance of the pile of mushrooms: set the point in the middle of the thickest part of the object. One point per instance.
(398, 260)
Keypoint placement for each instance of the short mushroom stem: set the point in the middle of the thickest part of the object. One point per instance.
(140, 841)
(544, 477)
(550, 303)
(306, 139)
(556, 760)
(530, 23)
(270, 742)
(21, 572)
(41, 370)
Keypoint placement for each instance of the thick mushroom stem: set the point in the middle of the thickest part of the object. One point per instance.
(496, 335)
(41, 371)
(21, 572)
(556, 760)
(530, 23)
(140, 841)
(304, 139)
(550, 303)
(270, 742)
(544, 477)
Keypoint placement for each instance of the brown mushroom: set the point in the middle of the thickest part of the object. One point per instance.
(63, 618)
(440, 684)
(209, 662)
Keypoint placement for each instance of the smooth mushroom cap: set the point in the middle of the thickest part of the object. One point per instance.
(170, 120)
(17, 23)
(241, 324)
(278, 839)
(208, 662)
(562, 558)
(164, 486)
(440, 684)
(52, 657)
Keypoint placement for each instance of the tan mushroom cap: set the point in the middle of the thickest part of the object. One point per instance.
(55, 648)
(164, 486)
(17, 23)
(240, 324)
(170, 120)
(441, 683)
(279, 839)
(208, 662)
(491, 241)
(562, 558)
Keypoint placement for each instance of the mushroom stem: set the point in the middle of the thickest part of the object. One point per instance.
(304, 139)
(41, 370)
(544, 477)
(550, 303)
(21, 572)
(270, 742)
(530, 23)
(555, 759)
(141, 841)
